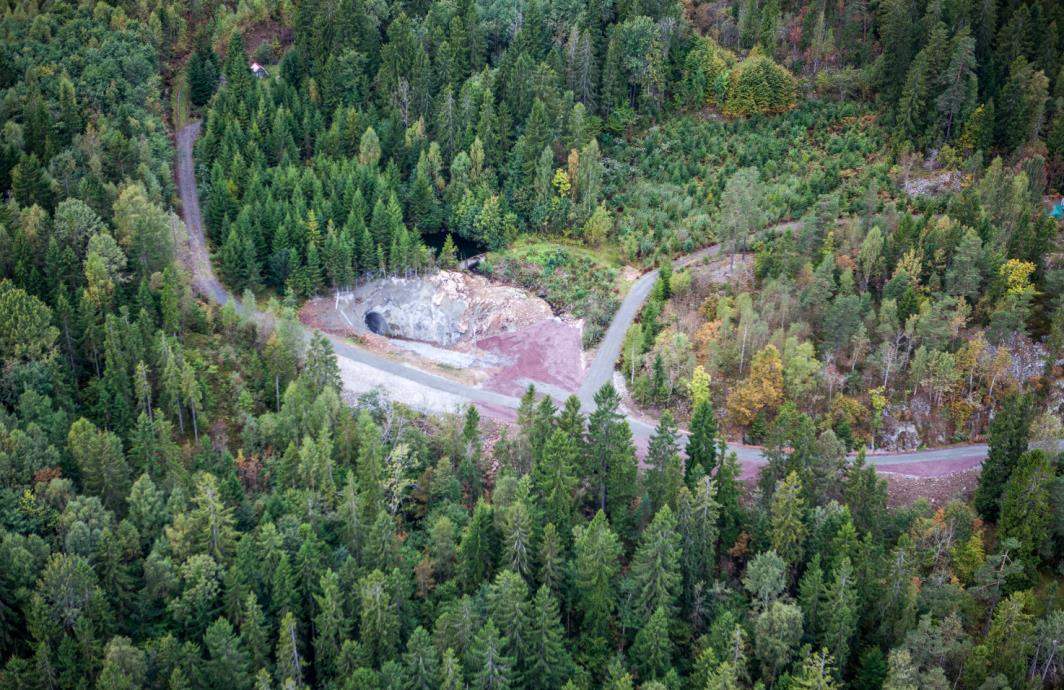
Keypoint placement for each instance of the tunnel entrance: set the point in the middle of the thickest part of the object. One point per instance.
(376, 323)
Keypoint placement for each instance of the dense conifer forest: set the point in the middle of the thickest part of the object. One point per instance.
(191, 498)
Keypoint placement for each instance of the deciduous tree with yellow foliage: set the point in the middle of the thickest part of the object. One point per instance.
(761, 391)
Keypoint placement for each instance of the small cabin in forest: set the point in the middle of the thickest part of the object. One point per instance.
(259, 71)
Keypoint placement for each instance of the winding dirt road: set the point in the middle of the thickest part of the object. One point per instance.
(927, 463)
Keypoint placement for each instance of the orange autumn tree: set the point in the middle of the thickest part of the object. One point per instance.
(761, 391)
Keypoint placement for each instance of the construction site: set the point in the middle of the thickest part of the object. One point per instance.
(460, 325)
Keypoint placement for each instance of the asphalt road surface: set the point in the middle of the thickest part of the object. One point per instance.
(197, 259)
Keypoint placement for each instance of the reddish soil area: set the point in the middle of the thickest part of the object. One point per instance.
(319, 313)
(903, 490)
(931, 468)
(498, 416)
(548, 352)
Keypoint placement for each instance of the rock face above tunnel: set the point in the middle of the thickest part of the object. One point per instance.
(445, 308)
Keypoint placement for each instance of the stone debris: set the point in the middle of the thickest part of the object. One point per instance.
(933, 184)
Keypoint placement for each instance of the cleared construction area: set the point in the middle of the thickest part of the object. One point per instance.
(461, 324)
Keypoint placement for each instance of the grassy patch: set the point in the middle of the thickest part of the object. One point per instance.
(181, 106)
(571, 279)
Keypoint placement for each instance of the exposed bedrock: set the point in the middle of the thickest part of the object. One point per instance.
(444, 308)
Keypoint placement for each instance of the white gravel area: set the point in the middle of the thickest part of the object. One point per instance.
(450, 358)
(361, 378)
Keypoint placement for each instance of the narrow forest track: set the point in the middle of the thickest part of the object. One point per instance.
(196, 257)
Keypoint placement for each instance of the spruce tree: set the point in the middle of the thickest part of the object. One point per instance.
(652, 649)
(369, 466)
(788, 520)
(1007, 440)
(284, 597)
(1010, 638)
(211, 523)
(664, 474)
(542, 426)
(147, 510)
(421, 662)
(477, 551)
(865, 493)
(448, 256)
(227, 665)
(655, 572)
(508, 609)
(331, 625)
(516, 553)
(70, 117)
(290, 665)
(697, 518)
(597, 555)
(612, 471)
(321, 370)
(729, 494)
(555, 479)
(379, 620)
(232, 261)
(571, 421)
(381, 549)
(254, 633)
(380, 225)
(450, 672)
(551, 560)
(201, 73)
(30, 184)
(548, 663)
(492, 667)
(526, 420)
(702, 443)
(872, 670)
(1026, 509)
(841, 612)
(812, 597)
(817, 672)
(239, 80)
(99, 458)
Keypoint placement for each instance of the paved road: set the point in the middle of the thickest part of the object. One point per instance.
(600, 371)
(204, 281)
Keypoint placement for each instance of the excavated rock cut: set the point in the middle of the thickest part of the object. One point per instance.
(444, 308)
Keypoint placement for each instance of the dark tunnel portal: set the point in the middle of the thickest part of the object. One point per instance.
(376, 323)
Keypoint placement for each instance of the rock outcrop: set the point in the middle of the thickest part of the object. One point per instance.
(444, 308)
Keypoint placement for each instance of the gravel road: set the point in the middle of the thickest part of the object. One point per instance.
(434, 393)
(600, 371)
(195, 254)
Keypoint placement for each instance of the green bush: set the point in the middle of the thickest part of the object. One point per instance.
(569, 279)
